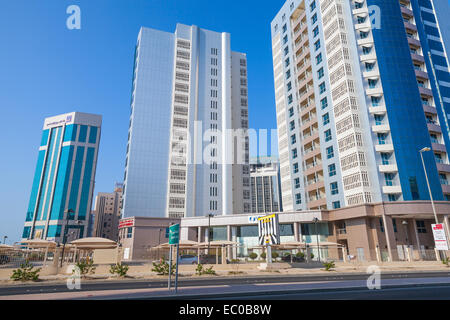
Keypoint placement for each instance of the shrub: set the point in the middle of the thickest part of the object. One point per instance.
(329, 265)
(119, 269)
(263, 255)
(312, 255)
(300, 255)
(26, 272)
(253, 255)
(275, 255)
(200, 270)
(446, 261)
(86, 267)
(162, 267)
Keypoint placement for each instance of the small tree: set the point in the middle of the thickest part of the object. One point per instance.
(253, 255)
(446, 261)
(201, 271)
(263, 255)
(119, 269)
(26, 272)
(275, 255)
(300, 255)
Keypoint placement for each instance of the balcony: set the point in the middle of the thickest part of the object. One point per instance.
(445, 188)
(429, 109)
(312, 168)
(360, 11)
(410, 26)
(438, 147)
(417, 57)
(377, 110)
(387, 168)
(392, 189)
(413, 42)
(315, 185)
(377, 91)
(384, 147)
(368, 57)
(434, 128)
(365, 41)
(406, 11)
(371, 74)
(311, 138)
(381, 128)
(365, 25)
(311, 153)
(321, 202)
(442, 167)
(425, 91)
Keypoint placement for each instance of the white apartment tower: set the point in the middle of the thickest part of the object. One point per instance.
(188, 89)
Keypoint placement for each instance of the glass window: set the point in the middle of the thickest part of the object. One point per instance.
(320, 73)
(298, 198)
(319, 58)
(324, 103)
(292, 125)
(322, 87)
(316, 31)
(293, 139)
(330, 152)
(334, 188)
(313, 5)
(314, 18)
(295, 167)
(328, 135)
(294, 153)
(421, 226)
(332, 170)
(297, 183)
(336, 204)
(317, 45)
(289, 86)
(291, 112)
(326, 119)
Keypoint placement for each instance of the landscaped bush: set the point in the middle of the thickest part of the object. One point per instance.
(329, 265)
(300, 255)
(263, 255)
(86, 267)
(162, 267)
(446, 261)
(253, 255)
(200, 270)
(119, 269)
(275, 255)
(26, 273)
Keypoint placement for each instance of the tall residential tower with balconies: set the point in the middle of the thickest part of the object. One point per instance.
(189, 88)
(361, 86)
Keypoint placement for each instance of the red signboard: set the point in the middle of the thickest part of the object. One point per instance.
(124, 223)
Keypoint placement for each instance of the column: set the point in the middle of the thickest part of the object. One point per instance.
(199, 234)
(296, 232)
(390, 237)
(229, 238)
(417, 239)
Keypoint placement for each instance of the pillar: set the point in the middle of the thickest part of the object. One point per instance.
(417, 239)
(229, 238)
(390, 237)
(378, 253)
(296, 231)
(199, 234)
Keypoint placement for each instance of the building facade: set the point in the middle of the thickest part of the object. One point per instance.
(265, 185)
(61, 194)
(189, 88)
(108, 213)
(357, 101)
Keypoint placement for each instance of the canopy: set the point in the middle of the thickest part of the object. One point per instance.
(184, 244)
(325, 244)
(94, 243)
(217, 243)
(39, 243)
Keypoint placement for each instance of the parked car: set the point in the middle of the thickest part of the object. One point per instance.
(187, 259)
(287, 258)
(4, 259)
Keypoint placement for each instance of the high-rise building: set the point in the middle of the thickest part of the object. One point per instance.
(61, 195)
(361, 87)
(108, 213)
(265, 185)
(188, 88)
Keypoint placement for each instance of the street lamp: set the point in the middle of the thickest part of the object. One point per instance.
(4, 239)
(159, 237)
(315, 220)
(210, 215)
(65, 233)
(426, 149)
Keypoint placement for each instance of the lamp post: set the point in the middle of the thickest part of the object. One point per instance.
(315, 220)
(426, 149)
(210, 215)
(4, 239)
(159, 237)
(69, 211)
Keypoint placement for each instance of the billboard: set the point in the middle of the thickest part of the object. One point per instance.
(268, 230)
(440, 238)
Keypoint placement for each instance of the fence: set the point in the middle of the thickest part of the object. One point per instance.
(15, 258)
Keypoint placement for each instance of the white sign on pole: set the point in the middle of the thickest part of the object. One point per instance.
(440, 238)
(126, 253)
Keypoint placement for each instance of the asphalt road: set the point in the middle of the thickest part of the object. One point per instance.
(91, 285)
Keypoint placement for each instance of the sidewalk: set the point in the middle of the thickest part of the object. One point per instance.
(250, 269)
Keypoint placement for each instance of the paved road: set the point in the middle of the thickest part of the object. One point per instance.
(339, 286)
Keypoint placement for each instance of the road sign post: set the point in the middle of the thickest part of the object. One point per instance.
(174, 239)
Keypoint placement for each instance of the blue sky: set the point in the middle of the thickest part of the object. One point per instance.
(46, 69)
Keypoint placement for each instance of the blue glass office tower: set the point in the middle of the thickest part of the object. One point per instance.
(61, 194)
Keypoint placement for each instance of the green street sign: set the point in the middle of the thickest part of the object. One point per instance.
(174, 234)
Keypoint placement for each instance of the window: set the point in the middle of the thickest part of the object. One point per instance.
(294, 153)
(298, 198)
(285, 39)
(420, 224)
(317, 45)
(361, 19)
(336, 204)
(369, 66)
(314, 18)
(380, 221)
(312, 5)
(378, 119)
(286, 51)
(291, 112)
(328, 136)
(392, 197)
(332, 170)
(290, 99)
(372, 83)
(129, 232)
(330, 152)
(319, 58)
(320, 73)
(367, 50)
(363, 35)
(295, 167)
(334, 188)
(394, 224)
(381, 138)
(388, 177)
(297, 183)
(293, 139)
(316, 31)
(326, 119)
(324, 103)
(375, 101)
(322, 87)
(289, 86)
(284, 27)
(292, 125)
(288, 74)
(286, 62)
(385, 158)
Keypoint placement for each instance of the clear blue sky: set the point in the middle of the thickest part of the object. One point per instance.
(46, 69)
